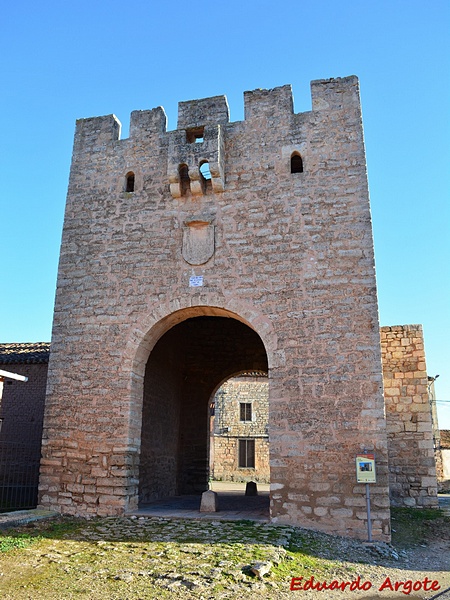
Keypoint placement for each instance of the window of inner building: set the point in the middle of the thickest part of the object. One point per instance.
(247, 453)
(245, 411)
(296, 163)
(129, 183)
(195, 135)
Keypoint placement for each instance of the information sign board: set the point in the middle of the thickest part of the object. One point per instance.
(365, 468)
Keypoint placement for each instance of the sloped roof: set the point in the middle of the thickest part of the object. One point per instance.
(445, 438)
(24, 353)
(250, 374)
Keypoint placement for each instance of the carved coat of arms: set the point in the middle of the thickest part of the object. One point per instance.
(198, 242)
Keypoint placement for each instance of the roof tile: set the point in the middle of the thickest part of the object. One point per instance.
(24, 353)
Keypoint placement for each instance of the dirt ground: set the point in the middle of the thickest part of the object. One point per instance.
(143, 558)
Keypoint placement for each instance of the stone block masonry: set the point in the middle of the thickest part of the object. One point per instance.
(412, 462)
(215, 249)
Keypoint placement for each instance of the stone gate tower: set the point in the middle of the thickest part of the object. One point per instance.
(193, 255)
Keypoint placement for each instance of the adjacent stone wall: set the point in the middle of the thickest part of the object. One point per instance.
(289, 255)
(445, 452)
(21, 418)
(438, 454)
(22, 405)
(228, 429)
(412, 466)
(446, 469)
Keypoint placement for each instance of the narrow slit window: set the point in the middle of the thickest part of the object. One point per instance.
(204, 170)
(205, 177)
(296, 163)
(129, 182)
(185, 180)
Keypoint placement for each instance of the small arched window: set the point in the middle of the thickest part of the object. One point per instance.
(296, 163)
(185, 180)
(129, 182)
(204, 170)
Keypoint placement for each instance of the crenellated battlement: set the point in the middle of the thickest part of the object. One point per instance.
(96, 131)
(335, 94)
(195, 163)
(268, 103)
(147, 123)
(207, 111)
(326, 94)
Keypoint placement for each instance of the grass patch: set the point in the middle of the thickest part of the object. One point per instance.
(413, 526)
(18, 539)
(12, 542)
(60, 528)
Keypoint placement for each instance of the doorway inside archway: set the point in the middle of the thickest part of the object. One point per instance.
(185, 367)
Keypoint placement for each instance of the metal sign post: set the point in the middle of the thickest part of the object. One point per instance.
(369, 521)
(365, 473)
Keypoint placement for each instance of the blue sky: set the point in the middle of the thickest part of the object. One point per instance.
(63, 61)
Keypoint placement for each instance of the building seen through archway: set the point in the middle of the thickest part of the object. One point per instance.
(184, 368)
(239, 433)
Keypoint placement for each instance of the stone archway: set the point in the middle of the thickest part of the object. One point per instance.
(184, 368)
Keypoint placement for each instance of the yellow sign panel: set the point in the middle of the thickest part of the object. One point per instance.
(365, 468)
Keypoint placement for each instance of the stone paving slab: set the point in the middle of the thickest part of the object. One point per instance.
(444, 503)
(236, 486)
(22, 517)
(232, 507)
(185, 507)
(201, 516)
